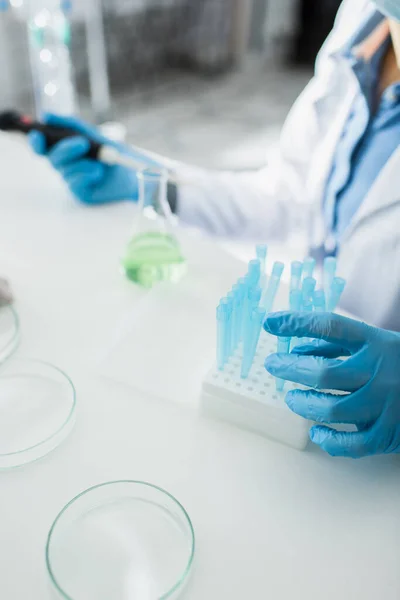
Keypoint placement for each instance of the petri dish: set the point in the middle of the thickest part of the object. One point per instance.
(9, 332)
(37, 410)
(125, 540)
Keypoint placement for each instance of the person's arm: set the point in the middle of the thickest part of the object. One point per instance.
(357, 360)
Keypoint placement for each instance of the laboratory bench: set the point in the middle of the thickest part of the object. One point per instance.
(270, 521)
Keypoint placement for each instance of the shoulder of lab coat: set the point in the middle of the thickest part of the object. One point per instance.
(273, 201)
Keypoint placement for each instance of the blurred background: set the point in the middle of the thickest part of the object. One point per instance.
(205, 81)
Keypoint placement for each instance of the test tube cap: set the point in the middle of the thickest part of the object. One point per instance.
(222, 312)
(254, 270)
(296, 268)
(309, 266)
(309, 284)
(278, 269)
(261, 251)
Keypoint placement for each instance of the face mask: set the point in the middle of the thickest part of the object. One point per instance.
(390, 8)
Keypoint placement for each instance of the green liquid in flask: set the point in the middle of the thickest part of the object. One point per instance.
(152, 257)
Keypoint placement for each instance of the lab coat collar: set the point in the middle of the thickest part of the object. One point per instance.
(384, 193)
(370, 19)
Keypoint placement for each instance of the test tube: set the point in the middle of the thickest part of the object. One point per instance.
(222, 319)
(307, 291)
(253, 300)
(227, 303)
(245, 312)
(231, 336)
(336, 291)
(254, 271)
(251, 341)
(319, 301)
(242, 287)
(308, 267)
(283, 348)
(296, 272)
(262, 251)
(295, 300)
(329, 273)
(269, 295)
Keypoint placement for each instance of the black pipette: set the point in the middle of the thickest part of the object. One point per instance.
(13, 121)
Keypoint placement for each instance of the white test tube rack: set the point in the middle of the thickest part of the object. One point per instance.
(253, 403)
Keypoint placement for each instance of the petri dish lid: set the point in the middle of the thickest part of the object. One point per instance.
(9, 332)
(37, 410)
(125, 540)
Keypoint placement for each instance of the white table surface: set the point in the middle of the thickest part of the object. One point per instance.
(270, 522)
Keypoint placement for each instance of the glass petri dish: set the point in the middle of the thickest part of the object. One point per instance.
(37, 410)
(125, 540)
(9, 332)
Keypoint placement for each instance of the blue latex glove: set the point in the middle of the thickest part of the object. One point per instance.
(370, 373)
(91, 181)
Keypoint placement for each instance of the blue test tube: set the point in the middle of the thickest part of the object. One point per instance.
(254, 271)
(330, 264)
(336, 291)
(296, 272)
(251, 341)
(319, 301)
(269, 295)
(283, 348)
(295, 300)
(236, 314)
(253, 300)
(245, 310)
(242, 291)
(228, 306)
(222, 319)
(307, 291)
(261, 252)
(232, 300)
(308, 267)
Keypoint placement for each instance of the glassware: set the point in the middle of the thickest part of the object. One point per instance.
(37, 407)
(49, 39)
(120, 540)
(153, 254)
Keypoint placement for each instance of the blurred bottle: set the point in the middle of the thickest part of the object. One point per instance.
(154, 253)
(49, 40)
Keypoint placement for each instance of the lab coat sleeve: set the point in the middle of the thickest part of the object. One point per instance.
(268, 203)
(274, 201)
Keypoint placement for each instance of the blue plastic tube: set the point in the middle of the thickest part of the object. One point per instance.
(251, 341)
(262, 252)
(254, 271)
(308, 267)
(319, 301)
(295, 300)
(283, 348)
(269, 295)
(307, 291)
(336, 291)
(222, 321)
(296, 273)
(330, 264)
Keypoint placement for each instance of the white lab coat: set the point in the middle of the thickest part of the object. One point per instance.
(287, 194)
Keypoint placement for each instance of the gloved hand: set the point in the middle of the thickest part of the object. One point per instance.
(91, 181)
(370, 374)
